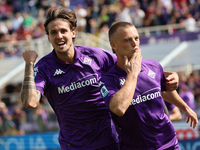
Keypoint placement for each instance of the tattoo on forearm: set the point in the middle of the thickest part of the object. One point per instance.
(28, 79)
(29, 70)
(29, 94)
(38, 93)
(29, 86)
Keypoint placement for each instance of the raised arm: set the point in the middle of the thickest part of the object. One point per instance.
(121, 100)
(174, 98)
(29, 95)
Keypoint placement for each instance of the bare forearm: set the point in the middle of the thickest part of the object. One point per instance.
(29, 95)
(122, 99)
(175, 114)
(174, 98)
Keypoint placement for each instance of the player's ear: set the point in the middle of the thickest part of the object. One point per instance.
(48, 38)
(112, 44)
(73, 33)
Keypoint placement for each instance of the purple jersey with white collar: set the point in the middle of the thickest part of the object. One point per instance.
(72, 91)
(144, 126)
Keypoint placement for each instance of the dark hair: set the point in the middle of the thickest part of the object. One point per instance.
(62, 13)
(116, 26)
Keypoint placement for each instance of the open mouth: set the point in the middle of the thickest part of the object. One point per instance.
(61, 43)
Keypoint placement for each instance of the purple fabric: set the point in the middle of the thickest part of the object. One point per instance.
(169, 106)
(144, 126)
(72, 91)
(188, 97)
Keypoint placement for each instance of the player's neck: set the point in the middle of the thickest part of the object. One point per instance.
(120, 65)
(66, 57)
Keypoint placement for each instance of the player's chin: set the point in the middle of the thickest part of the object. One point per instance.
(170, 89)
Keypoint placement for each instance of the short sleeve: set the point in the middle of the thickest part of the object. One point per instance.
(40, 80)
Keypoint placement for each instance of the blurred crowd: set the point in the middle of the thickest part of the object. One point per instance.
(23, 19)
(17, 120)
(189, 89)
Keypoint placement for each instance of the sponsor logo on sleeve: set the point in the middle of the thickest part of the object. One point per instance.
(104, 91)
(35, 71)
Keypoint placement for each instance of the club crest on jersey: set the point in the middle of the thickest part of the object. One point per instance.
(87, 61)
(104, 91)
(151, 74)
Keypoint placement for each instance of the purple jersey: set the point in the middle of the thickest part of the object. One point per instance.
(188, 97)
(72, 91)
(144, 126)
(169, 106)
